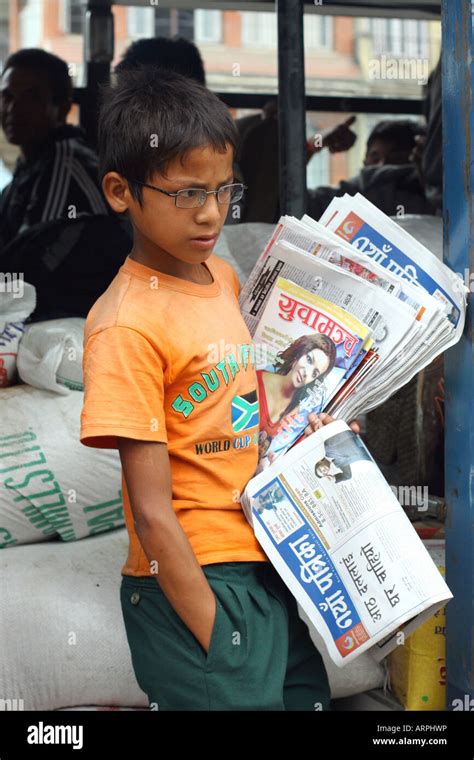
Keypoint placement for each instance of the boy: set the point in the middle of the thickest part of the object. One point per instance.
(168, 370)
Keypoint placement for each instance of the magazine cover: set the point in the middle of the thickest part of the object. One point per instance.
(307, 348)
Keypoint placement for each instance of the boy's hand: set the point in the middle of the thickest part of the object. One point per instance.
(316, 421)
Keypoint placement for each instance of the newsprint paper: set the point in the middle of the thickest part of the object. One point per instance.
(335, 532)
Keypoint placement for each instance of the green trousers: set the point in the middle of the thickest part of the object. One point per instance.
(261, 656)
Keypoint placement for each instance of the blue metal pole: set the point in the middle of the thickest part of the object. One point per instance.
(458, 154)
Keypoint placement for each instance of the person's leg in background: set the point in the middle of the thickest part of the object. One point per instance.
(306, 685)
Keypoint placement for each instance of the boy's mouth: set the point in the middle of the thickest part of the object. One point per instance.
(205, 241)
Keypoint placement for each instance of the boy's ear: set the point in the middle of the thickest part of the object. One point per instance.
(116, 191)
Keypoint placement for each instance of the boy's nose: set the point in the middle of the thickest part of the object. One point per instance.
(211, 209)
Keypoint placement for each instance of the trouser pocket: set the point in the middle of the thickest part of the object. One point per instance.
(168, 662)
(212, 652)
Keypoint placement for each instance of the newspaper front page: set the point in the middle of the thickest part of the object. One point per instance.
(333, 529)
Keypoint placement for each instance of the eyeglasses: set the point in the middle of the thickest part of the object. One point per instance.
(192, 197)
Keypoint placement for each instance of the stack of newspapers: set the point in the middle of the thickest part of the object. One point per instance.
(358, 288)
(343, 312)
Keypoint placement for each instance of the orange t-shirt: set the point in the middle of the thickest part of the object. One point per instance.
(172, 361)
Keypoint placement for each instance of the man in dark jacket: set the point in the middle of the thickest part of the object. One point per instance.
(388, 179)
(56, 174)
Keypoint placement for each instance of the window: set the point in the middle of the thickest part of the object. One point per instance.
(30, 25)
(208, 26)
(141, 22)
(318, 170)
(169, 22)
(340, 52)
(400, 37)
(259, 29)
(318, 32)
(186, 25)
(416, 38)
(72, 16)
(162, 22)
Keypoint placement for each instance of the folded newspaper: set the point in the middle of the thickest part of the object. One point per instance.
(343, 312)
(333, 529)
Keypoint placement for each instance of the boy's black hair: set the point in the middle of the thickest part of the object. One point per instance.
(55, 68)
(177, 54)
(151, 116)
(400, 133)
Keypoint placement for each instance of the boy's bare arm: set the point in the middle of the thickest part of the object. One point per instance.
(147, 474)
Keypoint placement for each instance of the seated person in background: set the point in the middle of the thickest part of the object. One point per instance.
(177, 54)
(258, 158)
(391, 142)
(388, 178)
(56, 174)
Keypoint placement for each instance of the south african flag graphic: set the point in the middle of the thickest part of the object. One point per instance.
(245, 411)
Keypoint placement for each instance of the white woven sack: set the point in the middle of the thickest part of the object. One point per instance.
(362, 674)
(49, 481)
(67, 645)
(62, 627)
(50, 355)
(17, 302)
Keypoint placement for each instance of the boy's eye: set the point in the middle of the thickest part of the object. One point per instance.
(190, 193)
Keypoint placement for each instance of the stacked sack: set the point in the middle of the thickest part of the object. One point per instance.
(50, 355)
(17, 302)
(51, 486)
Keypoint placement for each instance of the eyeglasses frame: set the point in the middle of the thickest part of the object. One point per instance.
(201, 190)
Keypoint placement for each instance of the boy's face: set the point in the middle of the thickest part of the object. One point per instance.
(161, 226)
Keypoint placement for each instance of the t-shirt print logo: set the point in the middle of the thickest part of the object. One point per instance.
(245, 412)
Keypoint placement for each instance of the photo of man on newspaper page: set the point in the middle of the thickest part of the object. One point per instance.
(340, 452)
